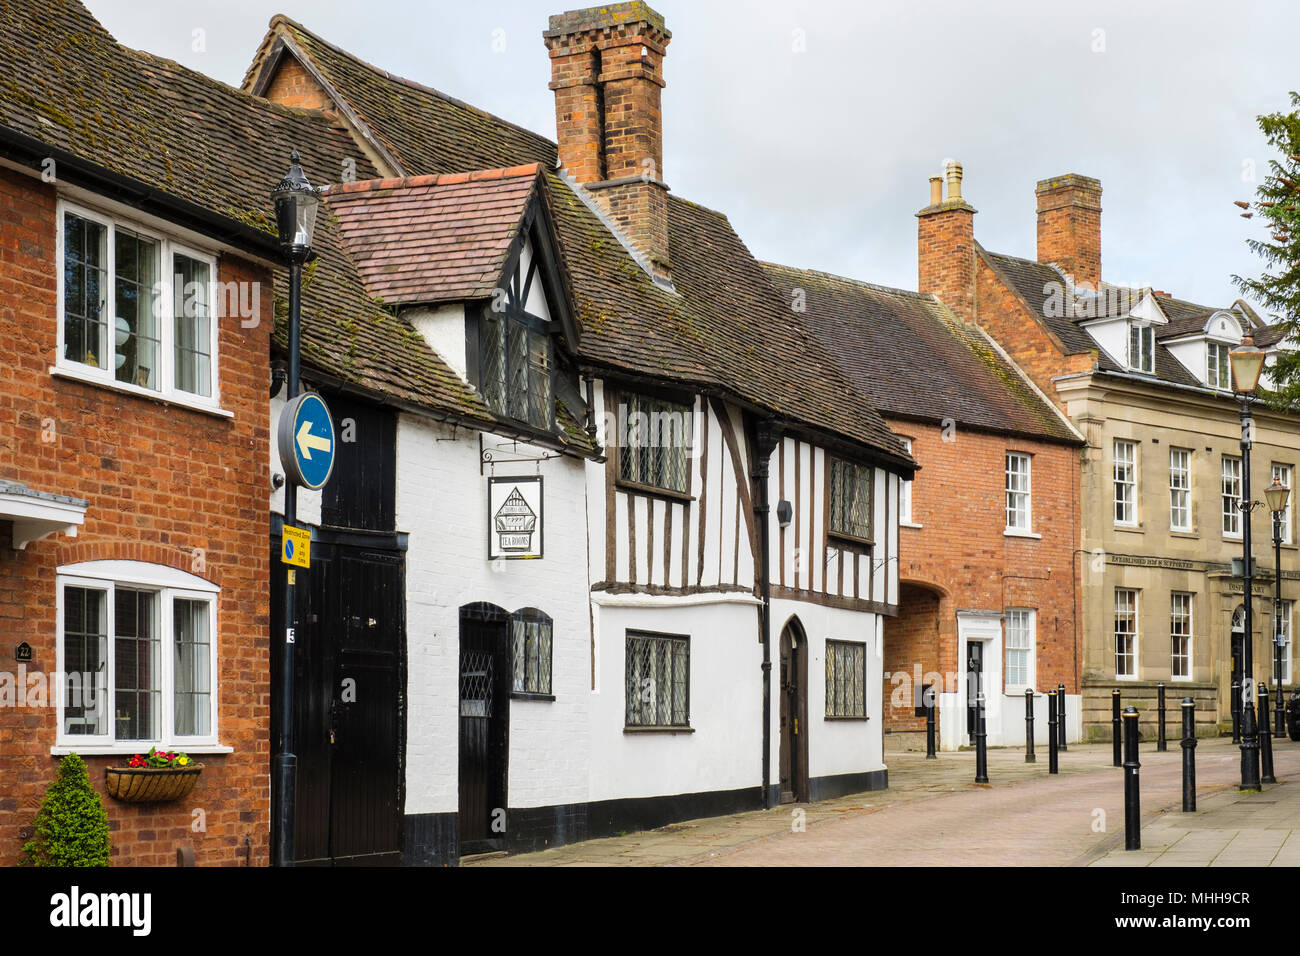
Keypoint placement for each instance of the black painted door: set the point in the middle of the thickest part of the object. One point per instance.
(348, 703)
(974, 682)
(484, 728)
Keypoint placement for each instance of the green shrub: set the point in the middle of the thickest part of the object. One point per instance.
(72, 824)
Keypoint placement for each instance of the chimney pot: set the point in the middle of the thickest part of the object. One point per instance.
(936, 190)
(954, 181)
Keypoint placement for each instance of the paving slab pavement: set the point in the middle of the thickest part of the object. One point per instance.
(933, 813)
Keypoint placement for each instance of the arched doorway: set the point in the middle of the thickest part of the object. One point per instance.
(485, 680)
(793, 691)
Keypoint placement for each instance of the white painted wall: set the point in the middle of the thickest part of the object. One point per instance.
(724, 751)
(444, 329)
(834, 746)
(442, 504)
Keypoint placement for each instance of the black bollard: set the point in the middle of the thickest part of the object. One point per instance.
(1189, 755)
(1029, 726)
(1132, 801)
(928, 698)
(1114, 727)
(1052, 742)
(1160, 717)
(981, 744)
(1060, 716)
(1235, 707)
(1265, 738)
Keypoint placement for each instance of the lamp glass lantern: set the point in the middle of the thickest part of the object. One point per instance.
(1247, 363)
(296, 204)
(1277, 494)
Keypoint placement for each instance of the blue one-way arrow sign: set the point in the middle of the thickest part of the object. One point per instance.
(306, 441)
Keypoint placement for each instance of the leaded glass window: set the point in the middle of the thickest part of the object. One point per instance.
(851, 499)
(530, 644)
(655, 442)
(846, 682)
(658, 680)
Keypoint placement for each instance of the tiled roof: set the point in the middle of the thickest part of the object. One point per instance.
(726, 327)
(913, 358)
(1037, 284)
(428, 239)
(68, 83)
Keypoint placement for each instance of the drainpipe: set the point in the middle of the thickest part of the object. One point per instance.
(767, 438)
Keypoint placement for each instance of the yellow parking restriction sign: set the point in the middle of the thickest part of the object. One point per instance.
(295, 548)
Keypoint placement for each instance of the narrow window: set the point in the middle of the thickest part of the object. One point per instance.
(1282, 473)
(530, 641)
(1142, 348)
(1231, 496)
(192, 285)
(1126, 634)
(1018, 492)
(1217, 374)
(1180, 489)
(1125, 475)
(1020, 649)
(905, 492)
(85, 291)
(1180, 635)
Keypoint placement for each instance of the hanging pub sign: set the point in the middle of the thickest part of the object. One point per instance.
(515, 517)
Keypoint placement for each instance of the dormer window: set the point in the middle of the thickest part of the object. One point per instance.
(515, 374)
(1216, 366)
(1142, 348)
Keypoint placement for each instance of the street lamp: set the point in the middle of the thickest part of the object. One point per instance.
(296, 203)
(1277, 495)
(1247, 362)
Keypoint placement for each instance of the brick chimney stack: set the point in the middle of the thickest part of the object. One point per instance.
(946, 245)
(1069, 226)
(607, 74)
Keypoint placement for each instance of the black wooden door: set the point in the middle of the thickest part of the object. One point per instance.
(349, 706)
(974, 682)
(794, 705)
(484, 728)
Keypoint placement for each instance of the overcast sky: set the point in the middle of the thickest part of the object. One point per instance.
(815, 126)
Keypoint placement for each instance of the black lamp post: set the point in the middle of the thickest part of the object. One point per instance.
(296, 203)
(1247, 362)
(1277, 495)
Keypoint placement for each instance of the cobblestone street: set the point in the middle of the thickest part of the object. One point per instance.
(933, 814)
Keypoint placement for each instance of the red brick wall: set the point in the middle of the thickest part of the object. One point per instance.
(959, 498)
(1069, 227)
(1033, 347)
(915, 638)
(294, 86)
(165, 485)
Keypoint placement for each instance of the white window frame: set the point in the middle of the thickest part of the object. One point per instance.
(1212, 367)
(1286, 473)
(1146, 358)
(1180, 483)
(1130, 483)
(905, 496)
(170, 584)
(1288, 619)
(1190, 632)
(1133, 635)
(1013, 505)
(1230, 504)
(165, 313)
(1030, 651)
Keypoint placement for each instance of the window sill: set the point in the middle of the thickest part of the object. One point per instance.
(658, 730)
(1130, 528)
(138, 747)
(530, 695)
(1129, 677)
(1017, 533)
(849, 539)
(910, 524)
(88, 378)
(1175, 533)
(862, 720)
(653, 490)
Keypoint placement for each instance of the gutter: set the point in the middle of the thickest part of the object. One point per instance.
(29, 152)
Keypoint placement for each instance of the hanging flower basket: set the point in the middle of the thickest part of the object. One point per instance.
(155, 777)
